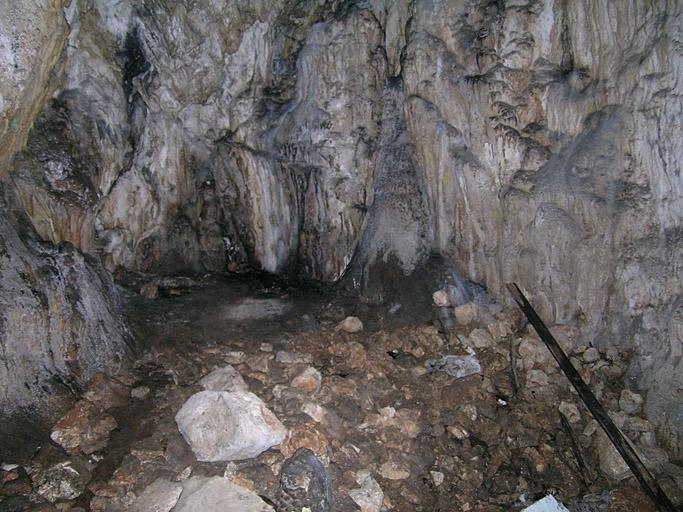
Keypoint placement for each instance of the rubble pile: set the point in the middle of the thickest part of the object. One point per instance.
(343, 418)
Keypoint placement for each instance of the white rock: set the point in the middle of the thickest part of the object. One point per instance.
(369, 497)
(224, 426)
(441, 299)
(547, 504)
(630, 402)
(350, 324)
(160, 496)
(218, 494)
(224, 379)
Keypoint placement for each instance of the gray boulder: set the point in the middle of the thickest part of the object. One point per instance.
(218, 494)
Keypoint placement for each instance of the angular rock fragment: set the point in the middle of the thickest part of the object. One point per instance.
(224, 379)
(292, 358)
(456, 366)
(62, 481)
(160, 496)
(441, 299)
(630, 402)
(309, 380)
(369, 496)
(350, 324)
(225, 426)
(106, 392)
(83, 428)
(547, 504)
(481, 339)
(150, 290)
(466, 314)
(571, 411)
(218, 494)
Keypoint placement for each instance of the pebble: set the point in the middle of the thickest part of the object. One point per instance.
(305, 482)
(437, 477)
(140, 392)
(481, 339)
(630, 402)
(235, 357)
(150, 290)
(284, 357)
(309, 380)
(259, 362)
(537, 378)
(441, 299)
(591, 355)
(570, 411)
(458, 432)
(350, 324)
(393, 471)
(369, 497)
(315, 411)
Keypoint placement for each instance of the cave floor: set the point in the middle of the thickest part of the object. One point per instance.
(430, 441)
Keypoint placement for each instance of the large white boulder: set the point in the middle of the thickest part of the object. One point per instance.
(225, 426)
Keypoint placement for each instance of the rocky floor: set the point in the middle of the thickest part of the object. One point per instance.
(332, 415)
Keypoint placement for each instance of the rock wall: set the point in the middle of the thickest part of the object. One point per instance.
(533, 141)
(60, 320)
(545, 132)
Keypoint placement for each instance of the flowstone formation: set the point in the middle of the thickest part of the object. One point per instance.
(530, 141)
